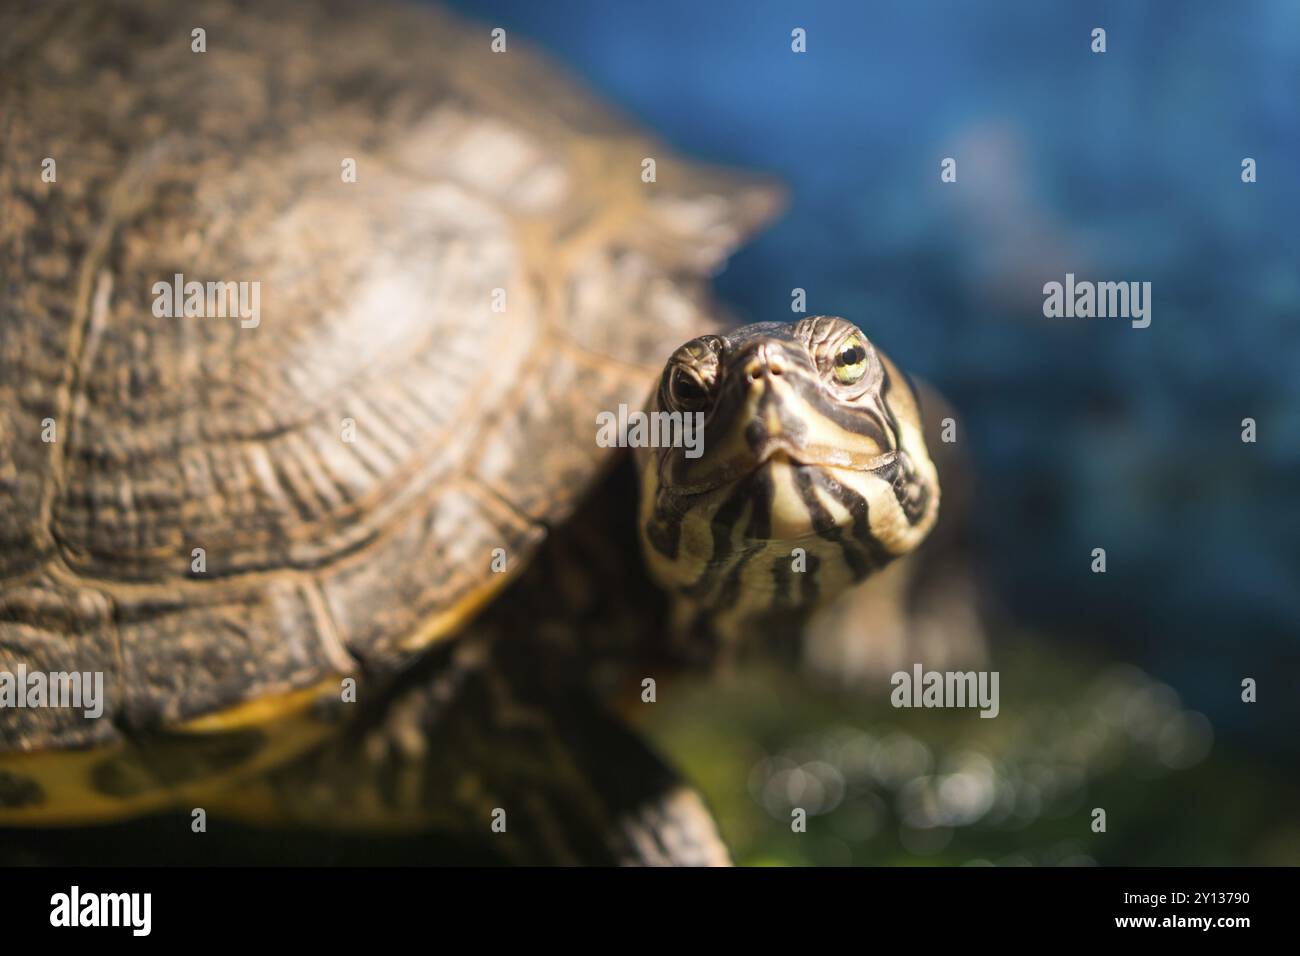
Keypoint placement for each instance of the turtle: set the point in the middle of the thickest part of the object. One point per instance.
(312, 320)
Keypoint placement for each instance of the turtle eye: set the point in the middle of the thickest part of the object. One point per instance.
(686, 391)
(850, 362)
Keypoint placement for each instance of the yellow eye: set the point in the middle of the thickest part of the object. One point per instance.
(851, 361)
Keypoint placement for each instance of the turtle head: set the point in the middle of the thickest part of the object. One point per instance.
(809, 473)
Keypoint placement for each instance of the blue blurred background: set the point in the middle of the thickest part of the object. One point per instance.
(1117, 166)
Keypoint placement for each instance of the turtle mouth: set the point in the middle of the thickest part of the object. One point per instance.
(780, 452)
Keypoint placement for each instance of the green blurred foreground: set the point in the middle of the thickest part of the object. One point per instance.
(940, 787)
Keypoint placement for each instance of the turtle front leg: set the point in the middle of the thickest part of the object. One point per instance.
(550, 776)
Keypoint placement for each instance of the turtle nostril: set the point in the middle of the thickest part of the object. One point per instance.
(775, 358)
(768, 360)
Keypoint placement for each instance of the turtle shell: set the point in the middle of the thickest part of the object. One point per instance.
(433, 265)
